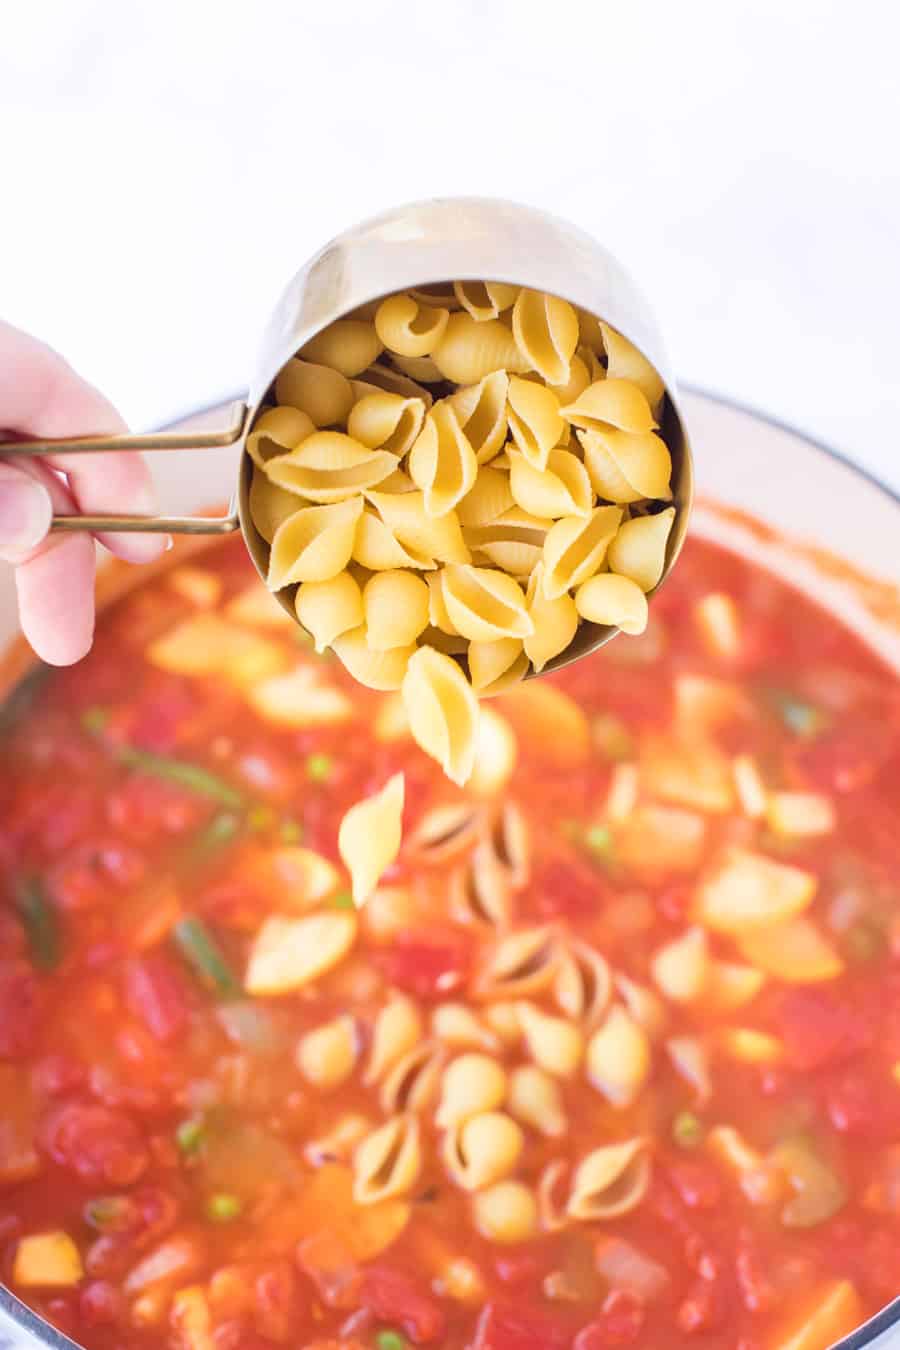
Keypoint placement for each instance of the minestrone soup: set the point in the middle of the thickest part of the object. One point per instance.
(610, 1055)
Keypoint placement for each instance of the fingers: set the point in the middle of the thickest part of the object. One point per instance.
(41, 395)
(25, 513)
(55, 581)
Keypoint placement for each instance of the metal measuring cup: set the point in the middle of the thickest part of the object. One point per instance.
(406, 248)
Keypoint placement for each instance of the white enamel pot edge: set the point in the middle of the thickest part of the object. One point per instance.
(743, 460)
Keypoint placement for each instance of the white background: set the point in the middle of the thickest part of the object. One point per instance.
(166, 166)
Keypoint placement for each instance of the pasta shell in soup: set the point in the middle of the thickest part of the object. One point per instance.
(388, 1161)
(610, 1182)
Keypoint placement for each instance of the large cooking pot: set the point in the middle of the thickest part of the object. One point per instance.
(765, 491)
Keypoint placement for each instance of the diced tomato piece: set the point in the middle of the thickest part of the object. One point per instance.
(427, 965)
(569, 890)
(157, 993)
(161, 714)
(275, 1298)
(703, 1309)
(144, 808)
(520, 1267)
(56, 1075)
(856, 1106)
(99, 1303)
(817, 1028)
(395, 1297)
(674, 902)
(94, 873)
(755, 1287)
(505, 1326)
(620, 1323)
(879, 1268)
(845, 758)
(20, 1009)
(96, 1143)
(697, 1183)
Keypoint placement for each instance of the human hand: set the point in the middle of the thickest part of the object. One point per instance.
(42, 397)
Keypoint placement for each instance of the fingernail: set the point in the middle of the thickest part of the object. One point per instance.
(25, 515)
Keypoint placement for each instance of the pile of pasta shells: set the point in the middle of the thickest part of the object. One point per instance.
(453, 479)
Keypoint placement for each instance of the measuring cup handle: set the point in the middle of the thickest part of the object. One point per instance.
(154, 440)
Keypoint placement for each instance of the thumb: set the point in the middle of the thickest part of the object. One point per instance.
(25, 513)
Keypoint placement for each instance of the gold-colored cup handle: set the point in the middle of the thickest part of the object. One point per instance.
(153, 440)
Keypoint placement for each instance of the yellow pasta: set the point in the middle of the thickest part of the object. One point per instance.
(369, 837)
(469, 350)
(514, 542)
(535, 420)
(615, 403)
(484, 604)
(618, 1058)
(555, 1044)
(412, 1083)
(326, 1056)
(417, 533)
(555, 621)
(748, 890)
(579, 379)
(546, 332)
(409, 328)
(395, 604)
(583, 984)
(347, 345)
(277, 430)
(494, 666)
(614, 600)
(270, 506)
(328, 608)
(323, 394)
(443, 711)
(484, 299)
(313, 544)
(681, 967)
(439, 293)
(610, 1181)
(442, 462)
(472, 1083)
(639, 549)
(389, 381)
(481, 412)
(388, 1161)
(437, 609)
(488, 498)
(376, 548)
(385, 421)
(432, 537)
(287, 954)
(383, 670)
(561, 489)
(506, 1212)
(482, 1149)
(625, 362)
(626, 467)
(330, 467)
(575, 548)
(397, 1030)
(534, 1098)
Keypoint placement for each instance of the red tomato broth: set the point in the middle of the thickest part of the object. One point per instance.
(111, 1043)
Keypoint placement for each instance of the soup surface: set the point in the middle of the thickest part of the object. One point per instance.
(611, 1058)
